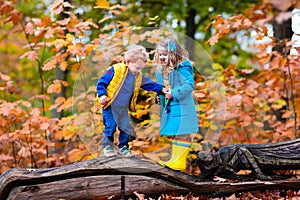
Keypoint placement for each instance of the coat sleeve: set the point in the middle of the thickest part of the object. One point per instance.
(104, 81)
(186, 86)
(150, 85)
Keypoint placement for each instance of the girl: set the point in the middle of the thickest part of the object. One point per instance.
(178, 116)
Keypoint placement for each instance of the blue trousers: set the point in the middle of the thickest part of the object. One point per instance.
(113, 119)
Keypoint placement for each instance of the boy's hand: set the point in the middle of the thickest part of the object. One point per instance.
(157, 99)
(104, 100)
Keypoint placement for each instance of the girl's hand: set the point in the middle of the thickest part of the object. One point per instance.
(168, 93)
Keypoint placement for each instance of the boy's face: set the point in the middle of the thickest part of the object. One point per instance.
(136, 66)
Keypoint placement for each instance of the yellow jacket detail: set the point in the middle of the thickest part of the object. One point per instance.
(114, 86)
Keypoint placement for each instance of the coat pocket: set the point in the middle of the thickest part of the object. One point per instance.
(177, 109)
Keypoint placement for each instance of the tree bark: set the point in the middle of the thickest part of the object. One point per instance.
(100, 178)
(60, 74)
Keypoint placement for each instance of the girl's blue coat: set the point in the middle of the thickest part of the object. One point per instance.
(178, 116)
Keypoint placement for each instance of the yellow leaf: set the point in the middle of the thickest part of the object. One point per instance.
(102, 4)
(205, 123)
(75, 155)
(213, 127)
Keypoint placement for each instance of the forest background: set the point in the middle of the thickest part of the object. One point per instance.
(44, 47)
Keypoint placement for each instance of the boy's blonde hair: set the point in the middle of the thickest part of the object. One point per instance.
(136, 52)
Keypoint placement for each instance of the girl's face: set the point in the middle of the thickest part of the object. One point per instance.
(163, 56)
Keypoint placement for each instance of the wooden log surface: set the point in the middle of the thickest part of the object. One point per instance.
(100, 178)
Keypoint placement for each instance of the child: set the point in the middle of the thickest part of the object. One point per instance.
(178, 117)
(117, 90)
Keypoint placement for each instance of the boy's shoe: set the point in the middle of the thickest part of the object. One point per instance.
(125, 152)
(108, 151)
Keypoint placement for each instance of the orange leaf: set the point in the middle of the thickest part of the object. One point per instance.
(60, 100)
(14, 17)
(258, 124)
(80, 120)
(44, 125)
(63, 65)
(288, 114)
(35, 112)
(75, 155)
(31, 55)
(49, 65)
(6, 7)
(46, 21)
(54, 88)
(39, 36)
(213, 40)
(218, 20)
(290, 123)
(264, 30)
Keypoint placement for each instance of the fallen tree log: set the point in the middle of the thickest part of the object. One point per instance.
(261, 159)
(100, 178)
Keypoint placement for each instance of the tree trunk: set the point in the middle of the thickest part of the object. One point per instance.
(191, 28)
(59, 74)
(101, 178)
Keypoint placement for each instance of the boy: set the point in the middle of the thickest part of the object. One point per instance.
(117, 90)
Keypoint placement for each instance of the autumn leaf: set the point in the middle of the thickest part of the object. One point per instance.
(35, 112)
(10, 87)
(46, 21)
(75, 155)
(288, 114)
(54, 88)
(237, 23)
(80, 120)
(14, 17)
(6, 158)
(44, 97)
(123, 8)
(67, 4)
(4, 77)
(6, 7)
(258, 124)
(247, 23)
(29, 28)
(49, 65)
(44, 126)
(26, 103)
(63, 65)
(259, 37)
(31, 55)
(264, 30)
(139, 196)
(213, 40)
(102, 4)
(56, 4)
(64, 22)
(39, 36)
(235, 100)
